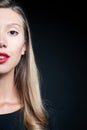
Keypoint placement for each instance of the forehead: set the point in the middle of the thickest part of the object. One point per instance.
(8, 16)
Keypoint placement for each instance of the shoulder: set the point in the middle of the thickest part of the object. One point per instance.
(52, 116)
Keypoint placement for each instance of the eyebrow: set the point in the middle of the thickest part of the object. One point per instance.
(14, 24)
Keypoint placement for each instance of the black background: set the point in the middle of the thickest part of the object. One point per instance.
(59, 43)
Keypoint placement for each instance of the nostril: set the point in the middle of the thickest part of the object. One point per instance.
(2, 45)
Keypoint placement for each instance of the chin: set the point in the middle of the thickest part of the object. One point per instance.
(6, 71)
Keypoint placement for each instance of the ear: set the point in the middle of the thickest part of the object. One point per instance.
(23, 49)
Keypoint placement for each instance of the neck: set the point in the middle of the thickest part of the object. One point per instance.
(8, 92)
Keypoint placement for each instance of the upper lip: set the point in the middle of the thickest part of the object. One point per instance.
(4, 54)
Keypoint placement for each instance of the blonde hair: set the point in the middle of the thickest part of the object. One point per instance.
(27, 78)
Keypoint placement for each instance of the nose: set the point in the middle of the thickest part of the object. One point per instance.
(3, 42)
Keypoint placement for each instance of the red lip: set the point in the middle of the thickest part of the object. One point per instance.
(4, 57)
(4, 54)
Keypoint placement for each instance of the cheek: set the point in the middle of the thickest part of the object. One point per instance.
(17, 50)
(16, 53)
(17, 46)
(15, 56)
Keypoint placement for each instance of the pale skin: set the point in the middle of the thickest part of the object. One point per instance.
(12, 39)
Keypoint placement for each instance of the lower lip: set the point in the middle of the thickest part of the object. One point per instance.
(3, 60)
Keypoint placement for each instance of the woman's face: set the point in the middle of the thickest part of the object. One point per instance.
(11, 39)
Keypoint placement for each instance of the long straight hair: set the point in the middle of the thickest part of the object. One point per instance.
(26, 78)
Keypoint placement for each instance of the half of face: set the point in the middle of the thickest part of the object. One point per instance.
(12, 39)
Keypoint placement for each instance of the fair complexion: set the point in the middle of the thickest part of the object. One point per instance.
(12, 40)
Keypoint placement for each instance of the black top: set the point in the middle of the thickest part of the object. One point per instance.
(14, 121)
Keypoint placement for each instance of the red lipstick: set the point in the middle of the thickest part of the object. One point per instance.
(3, 57)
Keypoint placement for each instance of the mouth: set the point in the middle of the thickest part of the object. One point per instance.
(3, 57)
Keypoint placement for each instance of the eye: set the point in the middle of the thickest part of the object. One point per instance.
(13, 33)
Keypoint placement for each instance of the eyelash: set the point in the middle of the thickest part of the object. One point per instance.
(13, 33)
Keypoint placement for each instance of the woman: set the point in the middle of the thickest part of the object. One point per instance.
(21, 106)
